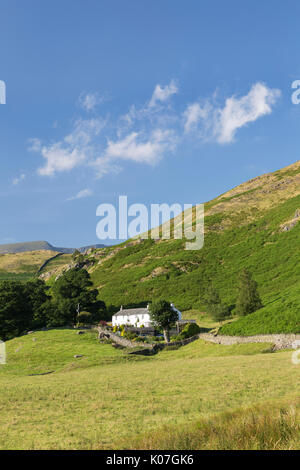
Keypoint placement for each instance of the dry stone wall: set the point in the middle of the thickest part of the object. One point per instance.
(280, 341)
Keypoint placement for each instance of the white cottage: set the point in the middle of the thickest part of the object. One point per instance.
(136, 317)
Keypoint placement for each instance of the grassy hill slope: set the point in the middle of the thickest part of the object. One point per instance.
(254, 226)
(22, 266)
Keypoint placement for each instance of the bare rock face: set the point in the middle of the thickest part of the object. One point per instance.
(297, 214)
(291, 223)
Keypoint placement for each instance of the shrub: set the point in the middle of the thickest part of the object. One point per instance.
(189, 330)
(248, 300)
(85, 318)
(129, 335)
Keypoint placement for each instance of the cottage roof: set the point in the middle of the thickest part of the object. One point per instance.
(131, 311)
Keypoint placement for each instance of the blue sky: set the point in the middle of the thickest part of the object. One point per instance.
(162, 101)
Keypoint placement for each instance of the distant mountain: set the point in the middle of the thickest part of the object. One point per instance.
(41, 245)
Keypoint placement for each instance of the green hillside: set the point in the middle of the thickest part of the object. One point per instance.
(23, 266)
(253, 226)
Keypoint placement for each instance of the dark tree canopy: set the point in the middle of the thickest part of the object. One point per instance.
(27, 305)
(19, 302)
(72, 293)
(214, 306)
(248, 300)
(163, 315)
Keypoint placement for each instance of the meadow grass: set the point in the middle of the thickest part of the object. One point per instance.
(22, 266)
(271, 426)
(42, 352)
(108, 400)
(203, 319)
(58, 262)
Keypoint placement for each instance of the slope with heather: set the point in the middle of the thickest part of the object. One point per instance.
(254, 226)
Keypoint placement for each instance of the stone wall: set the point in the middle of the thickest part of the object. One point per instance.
(280, 341)
(48, 261)
(126, 343)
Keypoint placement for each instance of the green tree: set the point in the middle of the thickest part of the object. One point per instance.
(85, 318)
(15, 314)
(35, 292)
(248, 300)
(217, 310)
(72, 293)
(75, 254)
(164, 316)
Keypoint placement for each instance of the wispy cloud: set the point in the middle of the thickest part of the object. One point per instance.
(147, 133)
(74, 150)
(162, 94)
(215, 123)
(138, 148)
(89, 101)
(146, 143)
(19, 179)
(81, 194)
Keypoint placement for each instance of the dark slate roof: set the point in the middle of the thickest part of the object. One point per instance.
(131, 311)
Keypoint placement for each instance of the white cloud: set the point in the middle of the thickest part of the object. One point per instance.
(162, 94)
(59, 158)
(220, 124)
(89, 101)
(138, 148)
(81, 194)
(134, 147)
(146, 134)
(193, 113)
(19, 179)
(74, 150)
(35, 145)
(238, 112)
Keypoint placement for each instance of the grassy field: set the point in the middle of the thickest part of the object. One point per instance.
(56, 263)
(109, 399)
(203, 320)
(22, 266)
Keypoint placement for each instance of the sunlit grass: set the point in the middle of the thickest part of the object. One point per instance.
(273, 426)
(107, 398)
